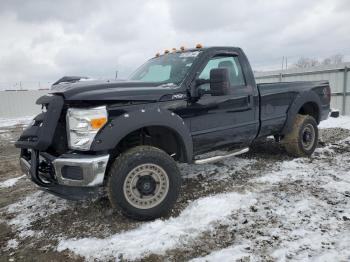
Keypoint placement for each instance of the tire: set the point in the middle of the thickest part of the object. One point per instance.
(303, 139)
(144, 182)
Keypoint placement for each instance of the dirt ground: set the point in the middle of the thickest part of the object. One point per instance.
(32, 223)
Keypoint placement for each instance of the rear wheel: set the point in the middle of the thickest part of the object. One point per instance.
(144, 182)
(303, 138)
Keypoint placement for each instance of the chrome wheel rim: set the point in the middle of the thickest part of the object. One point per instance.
(146, 186)
(308, 137)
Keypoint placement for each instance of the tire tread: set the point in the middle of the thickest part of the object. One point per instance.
(122, 163)
(291, 141)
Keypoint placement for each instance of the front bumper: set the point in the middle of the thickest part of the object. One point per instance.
(81, 170)
(73, 176)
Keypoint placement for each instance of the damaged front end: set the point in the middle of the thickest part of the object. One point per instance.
(48, 162)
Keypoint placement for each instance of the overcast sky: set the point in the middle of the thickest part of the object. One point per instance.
(42, 40)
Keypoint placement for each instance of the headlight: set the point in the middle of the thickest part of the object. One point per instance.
(83, 125)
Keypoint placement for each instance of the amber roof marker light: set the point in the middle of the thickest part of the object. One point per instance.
(198, 46)
(157, 55)
(166, 51)
(182, 48)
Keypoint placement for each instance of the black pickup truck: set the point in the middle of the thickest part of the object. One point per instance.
(125, 137)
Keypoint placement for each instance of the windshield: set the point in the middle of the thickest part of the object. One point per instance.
(168, 68)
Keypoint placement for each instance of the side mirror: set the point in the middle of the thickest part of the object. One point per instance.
(219, 81)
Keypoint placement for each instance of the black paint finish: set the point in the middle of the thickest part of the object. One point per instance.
(202, 123)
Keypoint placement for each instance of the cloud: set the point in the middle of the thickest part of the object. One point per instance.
(267, 30)
(47, 39)
(41, 11)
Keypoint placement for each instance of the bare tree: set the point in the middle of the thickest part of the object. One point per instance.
(333, 60)
(305, 62)
(336, 59)
(327, 61)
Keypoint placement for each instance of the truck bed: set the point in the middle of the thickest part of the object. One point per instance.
(276, 99)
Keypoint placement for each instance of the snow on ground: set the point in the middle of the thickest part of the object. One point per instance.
(341, 122)
(308, 219)
(234, 253)
(12, 244)
(161, 235)
(7, 122)
(10, 182)
(32, 208)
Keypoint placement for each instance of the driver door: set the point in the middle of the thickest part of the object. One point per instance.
(217, 121)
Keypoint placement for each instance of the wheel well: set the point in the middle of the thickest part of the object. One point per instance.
(158, 136)
(311, 109)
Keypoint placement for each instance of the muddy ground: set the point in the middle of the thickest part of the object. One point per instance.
(27, 238)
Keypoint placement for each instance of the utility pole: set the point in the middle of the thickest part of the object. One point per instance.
(282, 62)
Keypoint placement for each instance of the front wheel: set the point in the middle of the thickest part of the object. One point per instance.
(303, 138)
(144, 182)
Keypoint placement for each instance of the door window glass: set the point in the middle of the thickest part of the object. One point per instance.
(231, 63)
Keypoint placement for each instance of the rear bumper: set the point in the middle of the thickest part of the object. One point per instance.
(74, 176)
(334, 113)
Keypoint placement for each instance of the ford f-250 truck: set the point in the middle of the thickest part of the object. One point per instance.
(125, 137)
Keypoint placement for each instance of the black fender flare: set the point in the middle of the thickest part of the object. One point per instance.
(133, 119)
(300, 100)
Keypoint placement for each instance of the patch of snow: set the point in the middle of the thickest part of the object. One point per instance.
(7, 122)
(307, 168)
(5, 135)
(29, 233)
(301, 243)
(312, 221)
(232, 253)
(161, 235)
(32, 208)
(342, 243)
(339, 186)
(286, 169)
(340, 122)
(12, 244)
(10, 182)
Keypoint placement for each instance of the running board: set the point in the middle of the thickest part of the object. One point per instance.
(217, 158)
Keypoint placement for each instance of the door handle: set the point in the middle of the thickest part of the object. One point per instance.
(250, 100)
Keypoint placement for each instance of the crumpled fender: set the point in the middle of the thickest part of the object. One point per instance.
(135, 118)
(301, 99)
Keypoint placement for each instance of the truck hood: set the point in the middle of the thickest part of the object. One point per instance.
(114, 90)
